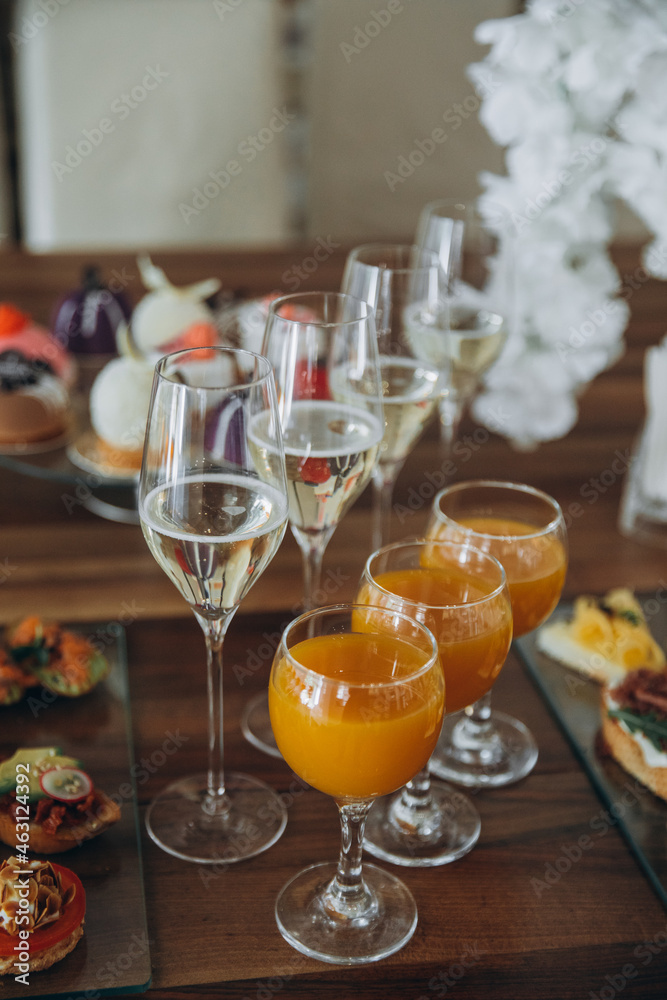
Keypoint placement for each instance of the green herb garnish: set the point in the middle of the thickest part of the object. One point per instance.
(37, 651)
(627, 613)
(653, 728)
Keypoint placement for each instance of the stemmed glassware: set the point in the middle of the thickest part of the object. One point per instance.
(461, 594)
(213, 515)
(323, 350)
(525, 530)
(404, 285)
(476, 256)
(356, 697)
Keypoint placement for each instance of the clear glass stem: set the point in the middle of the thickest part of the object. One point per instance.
(478, 718)
(475, 739)
(347, 895)
(312, 549)
(414, 812)
(215, 627)
(451, 413)
(418, 791)
(383, 491)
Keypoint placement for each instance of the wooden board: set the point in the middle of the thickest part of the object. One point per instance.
(114, 954)
(575, 701)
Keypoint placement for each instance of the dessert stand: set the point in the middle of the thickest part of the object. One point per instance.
(65, 460)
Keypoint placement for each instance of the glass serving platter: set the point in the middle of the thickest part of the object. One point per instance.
(113, 955)
(71, 459)
(575, 702)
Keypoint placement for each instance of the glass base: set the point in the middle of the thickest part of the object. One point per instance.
(252, 820)
(377, 927)
(422, 838)
(642, 516)
(505, 755)
(256, 725)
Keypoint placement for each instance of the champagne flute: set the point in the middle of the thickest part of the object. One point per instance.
(461, 595)
(356, 697)
(525, 530)
(403, 284)
(323, 350)
(475, 254)
(213, 519)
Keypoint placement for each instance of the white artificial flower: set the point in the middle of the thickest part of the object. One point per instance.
(579, 103)
(654, 256)
(515, 108)
(500, 34)
(530, 405)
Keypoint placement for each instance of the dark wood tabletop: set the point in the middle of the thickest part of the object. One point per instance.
(490, 925)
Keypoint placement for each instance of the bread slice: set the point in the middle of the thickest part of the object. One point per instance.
(626, 750)
(105, 813)
(47, 957)
(605, 638)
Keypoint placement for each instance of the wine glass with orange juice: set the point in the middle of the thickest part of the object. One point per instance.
(461, 595)
(525, 530)
(356, 698)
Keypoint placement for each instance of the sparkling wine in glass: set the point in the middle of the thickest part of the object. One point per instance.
(323, 350)
(356, 697)
(461, 595)
(475, 254)
(525, 530)
(213, 517)
(403, 284)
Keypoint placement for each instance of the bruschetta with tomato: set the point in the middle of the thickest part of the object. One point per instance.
(42, 911)
(49, 804)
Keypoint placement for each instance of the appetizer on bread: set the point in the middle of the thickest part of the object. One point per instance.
(605, 638)
(64, 662)
(13, 680)
(53, 804)
(42, 910)
(634, 727)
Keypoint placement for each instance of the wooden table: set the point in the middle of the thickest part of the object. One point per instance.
(484, 929)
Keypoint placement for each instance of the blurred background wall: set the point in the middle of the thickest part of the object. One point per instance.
(146, 123)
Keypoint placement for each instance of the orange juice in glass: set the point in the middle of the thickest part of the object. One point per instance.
(362, 711)
(525, 530)
(473, 641)
(465, 603)
(535, 563)
(356, 697)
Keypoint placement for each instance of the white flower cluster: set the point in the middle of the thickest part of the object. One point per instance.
(580, 102)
